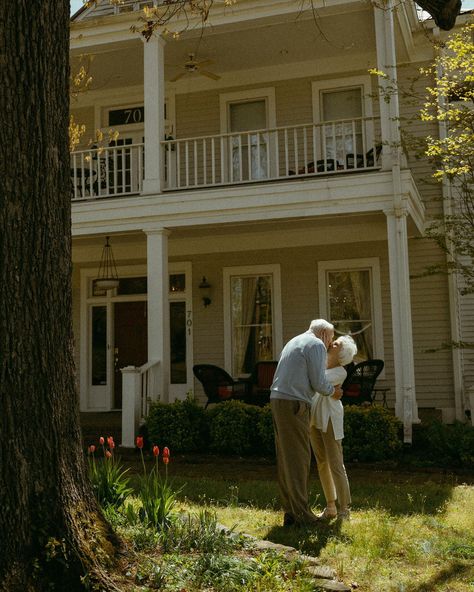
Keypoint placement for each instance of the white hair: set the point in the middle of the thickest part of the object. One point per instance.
(318, 326)
(348, 349)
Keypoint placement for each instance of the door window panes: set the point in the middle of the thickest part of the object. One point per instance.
(99, 345)
(177, 282)
(178, 370)
(342, 138)
(249, 151)
(252, 321)
(351, 307)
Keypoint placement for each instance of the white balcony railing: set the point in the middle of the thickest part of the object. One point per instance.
(105, 172)
(229, 159)
(270, 154)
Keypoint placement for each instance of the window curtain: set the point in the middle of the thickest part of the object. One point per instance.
(360, 282)
(243, 313)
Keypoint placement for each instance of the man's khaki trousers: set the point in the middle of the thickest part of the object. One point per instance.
(293, 452)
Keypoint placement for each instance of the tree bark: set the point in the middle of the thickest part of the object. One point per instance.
(52, 533)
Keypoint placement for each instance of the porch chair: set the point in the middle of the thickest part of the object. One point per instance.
(260, 382)
(359, 385)
(217, 384)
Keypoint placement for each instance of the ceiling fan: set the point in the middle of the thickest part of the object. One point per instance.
(192, 66)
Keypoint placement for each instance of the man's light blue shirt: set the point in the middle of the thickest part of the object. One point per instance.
(301, 370)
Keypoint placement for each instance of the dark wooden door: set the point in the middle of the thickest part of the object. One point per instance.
(130, 343)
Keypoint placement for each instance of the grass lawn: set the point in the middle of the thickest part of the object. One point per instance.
(410, 531)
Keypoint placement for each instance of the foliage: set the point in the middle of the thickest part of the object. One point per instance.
(181, 425)
(446, 444)
(108, 478)
(371, 433)
(199, 531)
(232, 428)
(450, 100)
(266, 432)
(155, 493)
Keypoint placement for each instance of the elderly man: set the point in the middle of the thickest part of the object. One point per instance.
(299, 374)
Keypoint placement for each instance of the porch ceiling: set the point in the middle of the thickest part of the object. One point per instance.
(260, 44)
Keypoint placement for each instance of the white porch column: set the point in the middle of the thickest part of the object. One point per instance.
(154, 101)
(406, 407)
(387, 63)
(158, 306)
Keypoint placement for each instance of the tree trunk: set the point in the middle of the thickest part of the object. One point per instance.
(51, 531)
(444, 12)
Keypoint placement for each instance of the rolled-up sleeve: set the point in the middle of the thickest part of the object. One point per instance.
(316, 360)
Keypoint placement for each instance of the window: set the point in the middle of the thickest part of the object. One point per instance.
(344, 107)
(350, 298)
(241, 113)
(253, 318)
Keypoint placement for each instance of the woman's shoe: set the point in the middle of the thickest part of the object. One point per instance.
(344, 515)
(327, 514)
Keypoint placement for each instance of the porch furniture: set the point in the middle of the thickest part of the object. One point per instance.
(260, 381)
(217, 384)
(82, 179)
(359, 385)
(383, 395)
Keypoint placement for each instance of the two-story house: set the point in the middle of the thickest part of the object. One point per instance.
(257, 182)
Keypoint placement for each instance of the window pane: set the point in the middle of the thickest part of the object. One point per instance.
(178, 342)
(252, 330)
(177, 282)
(251, 115)
(350, 307)
(99, 345)
(342, 104)
(137, 285)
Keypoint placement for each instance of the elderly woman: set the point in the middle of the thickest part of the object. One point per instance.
(326, 433)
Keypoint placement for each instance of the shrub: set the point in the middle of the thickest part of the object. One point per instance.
(233, 428)
(447, 443)
(181, 425)
(266, 432)
(371, 434)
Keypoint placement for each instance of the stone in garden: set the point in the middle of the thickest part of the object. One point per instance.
(320, 571)
(331, 586)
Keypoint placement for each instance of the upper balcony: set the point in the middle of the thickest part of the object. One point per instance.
(254, 156)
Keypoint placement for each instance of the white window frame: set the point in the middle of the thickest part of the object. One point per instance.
(242, 96)
(319, 86)
(253, 270)
(370, 263)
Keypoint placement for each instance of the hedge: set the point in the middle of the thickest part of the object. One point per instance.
(232, 427)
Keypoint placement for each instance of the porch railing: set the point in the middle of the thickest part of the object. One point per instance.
(140, 386)
(106, 172)
(270, 154)
(228, 159)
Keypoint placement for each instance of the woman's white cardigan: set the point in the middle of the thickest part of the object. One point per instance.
(325, 408)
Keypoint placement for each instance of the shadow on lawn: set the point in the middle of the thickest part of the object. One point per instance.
(456, 571)
(310, 540)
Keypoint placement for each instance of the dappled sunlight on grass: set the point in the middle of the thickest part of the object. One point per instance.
(427, 545)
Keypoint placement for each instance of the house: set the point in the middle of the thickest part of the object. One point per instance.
(257, 182)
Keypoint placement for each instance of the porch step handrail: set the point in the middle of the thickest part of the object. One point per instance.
(139, 387)
(271, 153)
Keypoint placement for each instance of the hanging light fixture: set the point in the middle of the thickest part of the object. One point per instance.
(107, 277)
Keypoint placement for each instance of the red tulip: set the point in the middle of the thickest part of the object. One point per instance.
(110, 442)
(156, 451)
(101, 440)
(108, 454)
(166, 452)
(166, 459)
(139, 442)
(91, 449)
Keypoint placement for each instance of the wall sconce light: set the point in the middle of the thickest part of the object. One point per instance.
(205, 288)
(107, 278)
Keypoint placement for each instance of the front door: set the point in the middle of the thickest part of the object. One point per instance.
(130, 341)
